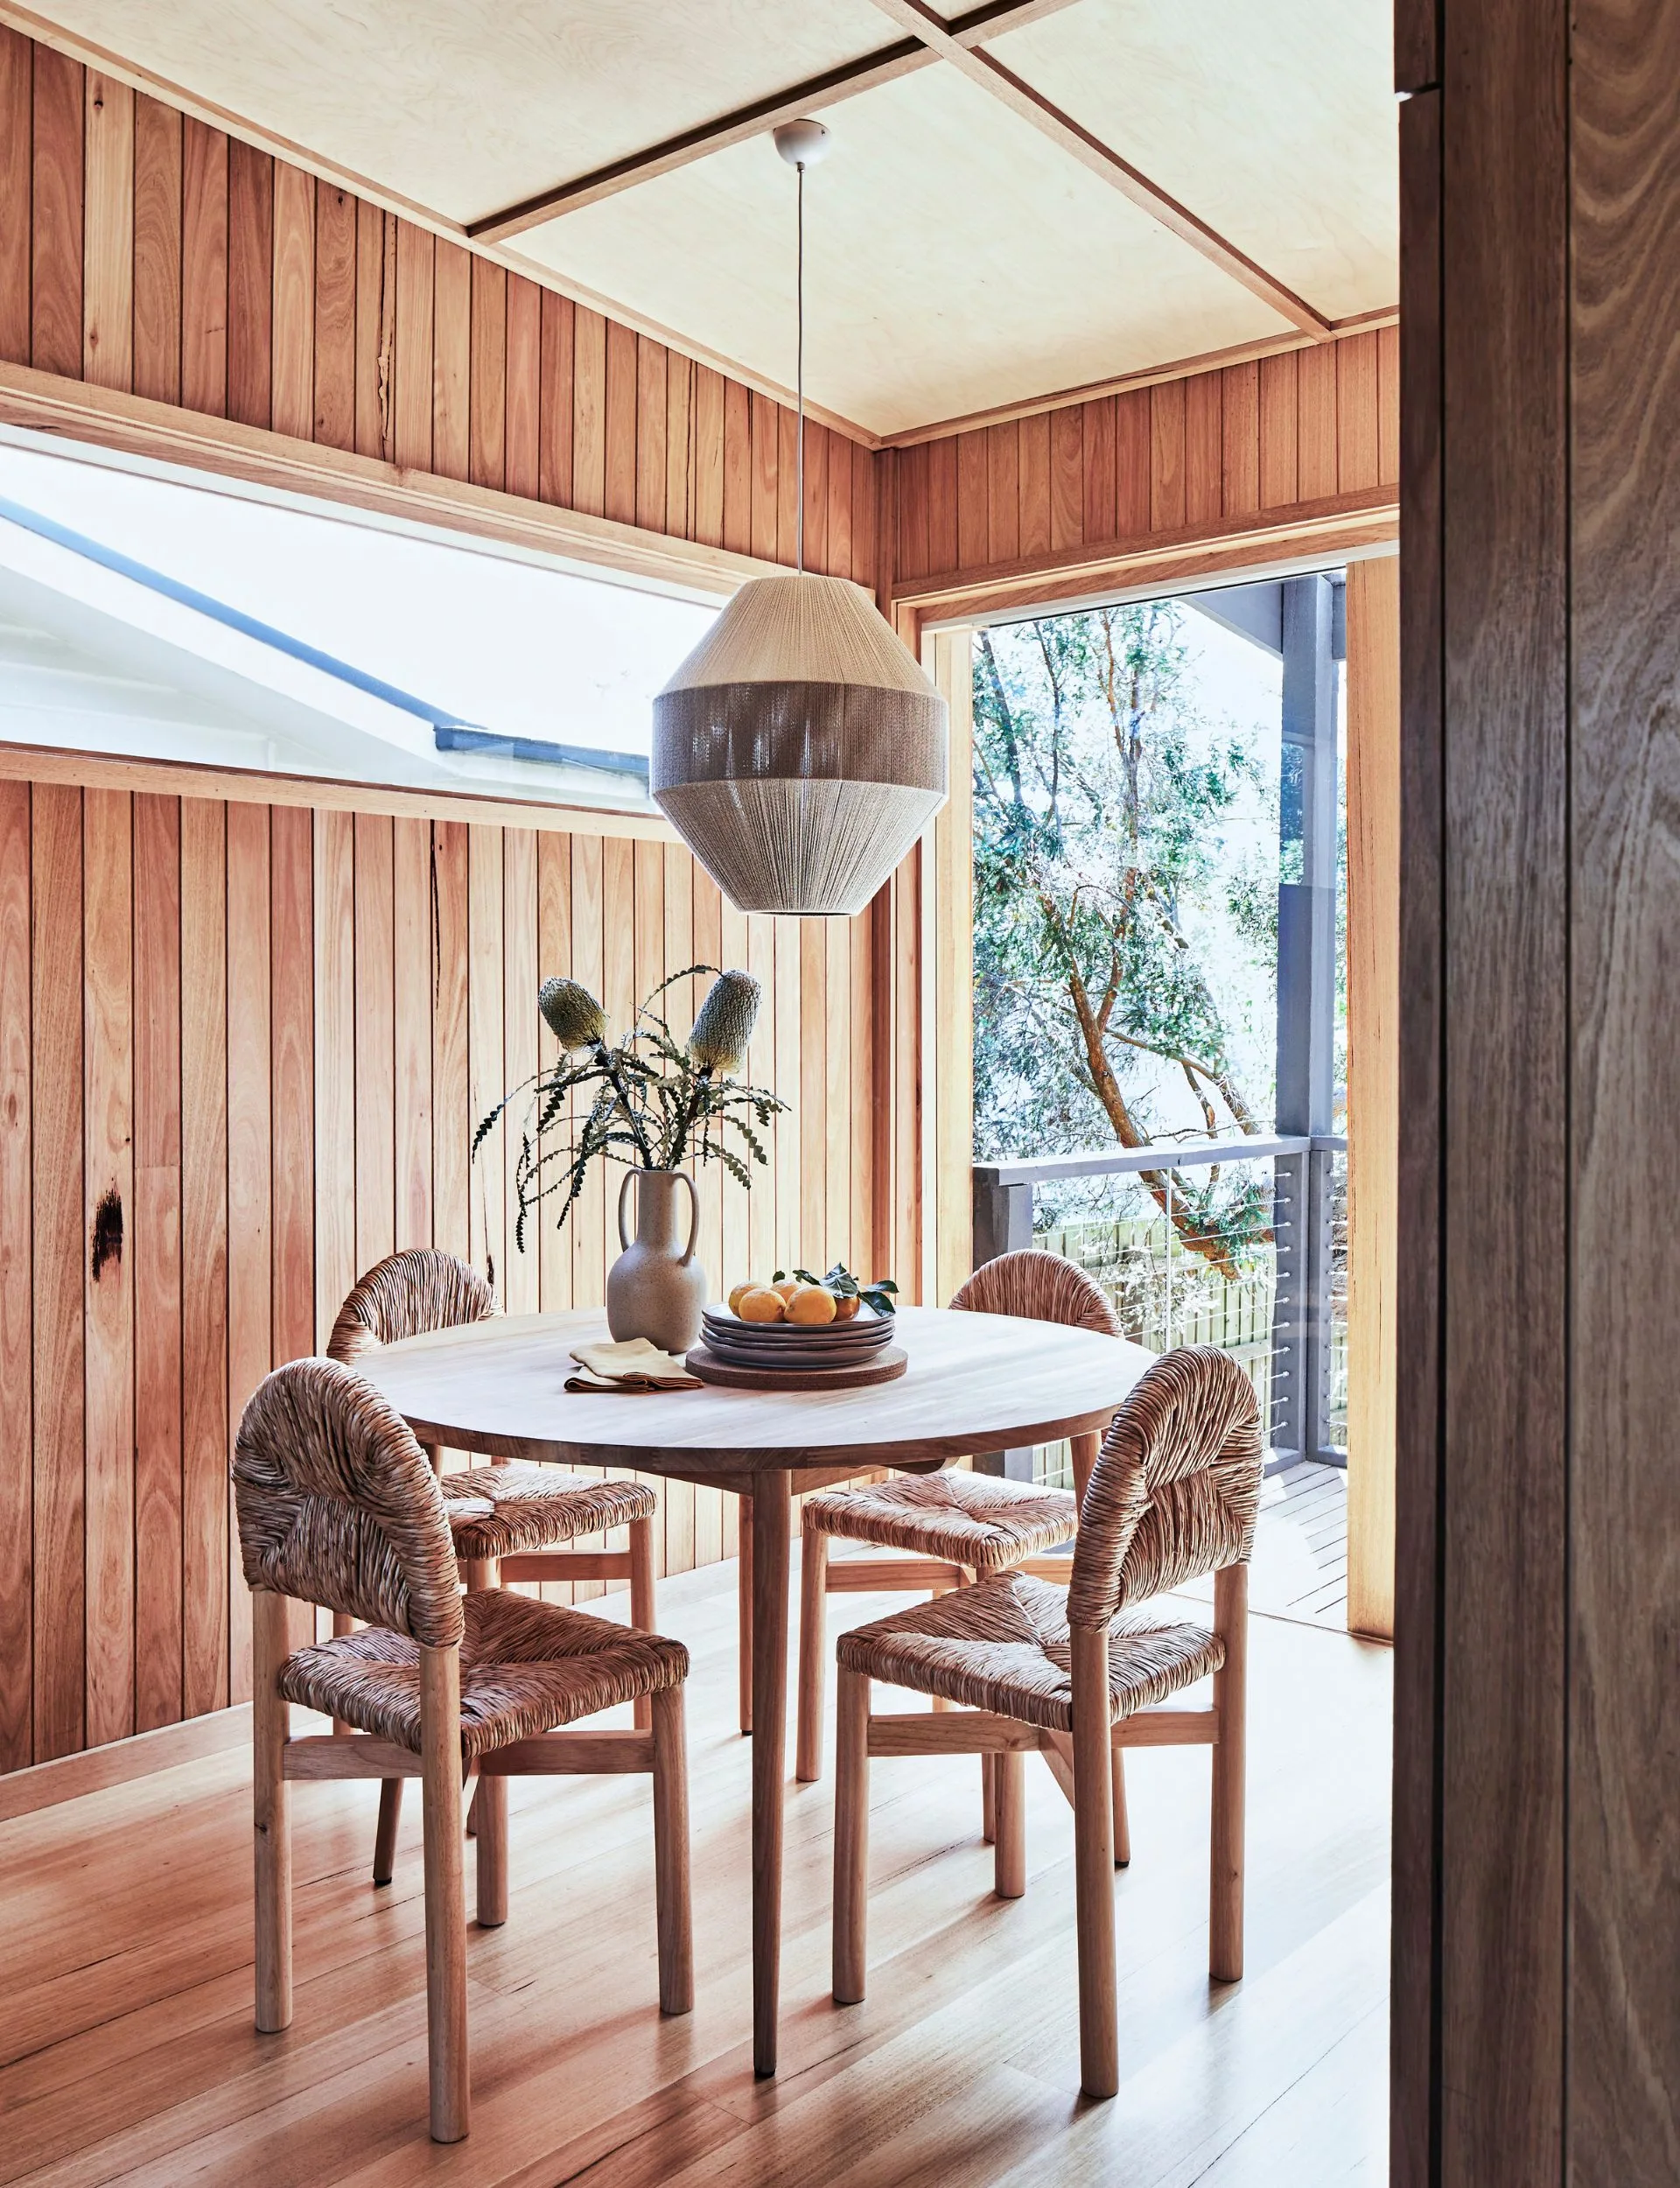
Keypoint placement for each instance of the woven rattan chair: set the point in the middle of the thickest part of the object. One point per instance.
(1081, 1673)
(337, 1504)
(510, 1523)
(956, 1526)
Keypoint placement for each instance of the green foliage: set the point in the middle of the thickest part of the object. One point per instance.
(882, 1294)
(652, 1101)
(1125, 903)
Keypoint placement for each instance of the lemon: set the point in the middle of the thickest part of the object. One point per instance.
(811, 1303)
(760, 1303)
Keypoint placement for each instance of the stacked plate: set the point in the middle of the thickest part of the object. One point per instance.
(801, 1345)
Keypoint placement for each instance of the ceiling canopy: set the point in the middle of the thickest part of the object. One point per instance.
(1026, 197)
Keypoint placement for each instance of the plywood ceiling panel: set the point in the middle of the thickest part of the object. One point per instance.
(1274, 120)
(961, 257)
(954, 260)
(463, 107)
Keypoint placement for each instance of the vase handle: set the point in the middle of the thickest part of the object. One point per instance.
(624, 1236)
(686, 1254)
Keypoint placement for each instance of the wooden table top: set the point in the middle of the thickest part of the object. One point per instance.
(974, 1383)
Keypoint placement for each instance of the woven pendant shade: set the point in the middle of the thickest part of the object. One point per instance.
(800, 751)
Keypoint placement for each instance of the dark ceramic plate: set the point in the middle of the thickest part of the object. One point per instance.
(726, 1333)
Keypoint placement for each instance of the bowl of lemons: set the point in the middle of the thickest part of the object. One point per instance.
(795, 1320)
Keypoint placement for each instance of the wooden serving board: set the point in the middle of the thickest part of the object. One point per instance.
(880, 1367)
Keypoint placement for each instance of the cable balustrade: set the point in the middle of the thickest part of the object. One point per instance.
(1238, 1242)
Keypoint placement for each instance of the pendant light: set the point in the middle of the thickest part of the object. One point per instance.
(799, 750)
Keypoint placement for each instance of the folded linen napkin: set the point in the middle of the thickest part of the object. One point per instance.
(635, 1364)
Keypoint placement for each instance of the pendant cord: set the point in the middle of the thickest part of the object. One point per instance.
(799, 522)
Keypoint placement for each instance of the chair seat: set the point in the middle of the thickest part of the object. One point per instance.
(1004, 1647)
(973, 1520)
(496, 1510)
(526, 1667)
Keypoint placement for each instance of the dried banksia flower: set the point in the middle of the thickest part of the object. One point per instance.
(724, 1024)
(575, 1019)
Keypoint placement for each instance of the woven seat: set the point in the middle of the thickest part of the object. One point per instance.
(337, 1503)
(1004, 1645)
(526, 1667)
(969, 1522)
(1078, 1673)
(970, 1518)
(495, 1510)
(509, 1523)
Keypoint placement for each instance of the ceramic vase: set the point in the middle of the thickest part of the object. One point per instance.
(656, 1288)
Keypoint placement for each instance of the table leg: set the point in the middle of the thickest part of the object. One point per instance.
(772, 1511)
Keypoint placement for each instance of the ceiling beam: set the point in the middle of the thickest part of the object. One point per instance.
(760, 115)
(984, 69)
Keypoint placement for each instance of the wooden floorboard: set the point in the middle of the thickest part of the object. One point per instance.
(127, 2051)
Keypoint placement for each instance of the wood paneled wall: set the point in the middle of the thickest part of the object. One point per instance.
(1191, 454)
(243, 1048)
(142, 251)
(1536, 1929)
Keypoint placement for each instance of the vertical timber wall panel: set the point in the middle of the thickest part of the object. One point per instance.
(314, 1000)
(1182, 458)
(141, 249)
(1537, 1872)
(1505, 583)
(242, 1050)
(1622, 2087)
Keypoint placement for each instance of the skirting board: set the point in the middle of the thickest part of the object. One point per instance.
(45, 1785)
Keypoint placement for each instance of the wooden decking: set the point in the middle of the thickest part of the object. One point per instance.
(1300, 1557)
(129, 2056)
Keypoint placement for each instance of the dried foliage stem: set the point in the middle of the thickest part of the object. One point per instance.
(649, 1100)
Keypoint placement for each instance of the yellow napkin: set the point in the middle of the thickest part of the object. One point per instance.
(635, 1364)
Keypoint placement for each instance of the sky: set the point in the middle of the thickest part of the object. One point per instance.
(515, 647)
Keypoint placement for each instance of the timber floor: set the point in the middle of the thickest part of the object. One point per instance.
(129, 2053)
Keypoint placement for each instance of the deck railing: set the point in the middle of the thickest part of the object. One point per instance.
(1237, 1242)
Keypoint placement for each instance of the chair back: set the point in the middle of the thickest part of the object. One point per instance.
(1037, 1286)
(1176, 1487)
(337, 1504)
(406, 1295)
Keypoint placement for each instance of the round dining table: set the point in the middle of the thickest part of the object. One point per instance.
(972, 1383)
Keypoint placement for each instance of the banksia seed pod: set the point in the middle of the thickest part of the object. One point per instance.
(575, 1019)
(724, 1024)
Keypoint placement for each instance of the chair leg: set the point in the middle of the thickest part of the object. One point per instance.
(1009, 1795)
(342, 1623)
(271, 1813)
(1121, 1819)
(671, 1854)
(988, 1801)
(390, 1815)
(479, 1574)
(641, 1602)
(1230, 1705)
(813, 1643)
(440, 1762)
(851, 1837)
(1099, 2045)
(743, 1615)
(490, 1809)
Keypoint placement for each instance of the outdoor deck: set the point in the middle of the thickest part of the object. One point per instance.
(1300, 1557)
(126, 2019)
